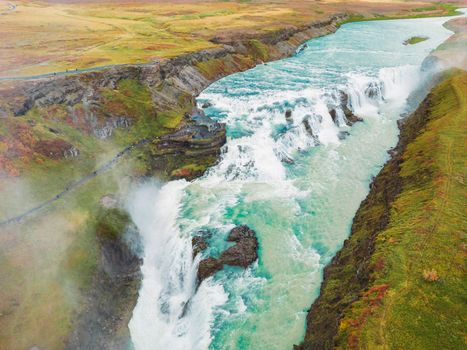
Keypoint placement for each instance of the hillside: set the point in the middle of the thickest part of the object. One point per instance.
(398, 282)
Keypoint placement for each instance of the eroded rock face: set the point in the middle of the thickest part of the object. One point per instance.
(349, 116)
(242, 254)
(208, 267)
(56, 149)
(198, 142)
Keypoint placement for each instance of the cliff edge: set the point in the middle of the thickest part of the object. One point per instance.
(398, 280)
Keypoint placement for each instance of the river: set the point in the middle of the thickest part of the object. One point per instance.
(299, 190)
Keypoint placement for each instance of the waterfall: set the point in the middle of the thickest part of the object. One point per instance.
(169, 315)
(294, 169)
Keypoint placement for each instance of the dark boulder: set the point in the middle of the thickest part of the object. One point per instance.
(352, 118)
(199, 244)
(343, 134)
(333, 114)
(288, 116)
(308, 128)
(242, 254)
(349, 116)
(206, 105)
(241, 232)
(373, 91)
(208, 267)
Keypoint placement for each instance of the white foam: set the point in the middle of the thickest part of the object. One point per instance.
(162, 319)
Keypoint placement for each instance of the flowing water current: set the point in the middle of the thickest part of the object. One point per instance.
(297, 188)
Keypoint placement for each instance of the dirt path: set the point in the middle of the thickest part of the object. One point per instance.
(75, 184)
(72, 72)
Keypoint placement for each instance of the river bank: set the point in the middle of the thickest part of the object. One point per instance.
(399, 272)
(388, 282)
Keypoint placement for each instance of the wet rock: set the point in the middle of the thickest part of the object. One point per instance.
(333, 114)
(343, 134)
(288, 116)
(349, 116)
(199, 244)
(287, 160)
(373, 91)
(308, 128)
(242, 254)
(102, 322)
(241, 232)
(206, 105)
(208, 267)
(352, 118)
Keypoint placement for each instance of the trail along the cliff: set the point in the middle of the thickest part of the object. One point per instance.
(74, 184)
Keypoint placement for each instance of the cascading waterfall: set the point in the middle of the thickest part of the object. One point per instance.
(169, 276)
(296, 180)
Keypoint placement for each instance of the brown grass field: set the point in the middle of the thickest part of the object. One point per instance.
(49, 36)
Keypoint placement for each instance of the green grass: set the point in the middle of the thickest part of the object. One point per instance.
(51, 261)
(426, 234)
(439, 10)
(259, 51)
(45, 37)
(111, 223)
(415, 40)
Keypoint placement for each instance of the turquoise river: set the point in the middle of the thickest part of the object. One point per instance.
(296, 182)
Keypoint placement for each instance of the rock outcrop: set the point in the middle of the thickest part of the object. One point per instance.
(103, 323)
(349, 115)
(170, 81)
(190, 150)
(199, 244)
(242, 254)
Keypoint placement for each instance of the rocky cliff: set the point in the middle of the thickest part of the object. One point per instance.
(171, 81)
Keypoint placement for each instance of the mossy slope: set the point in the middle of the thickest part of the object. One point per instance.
(398, 282)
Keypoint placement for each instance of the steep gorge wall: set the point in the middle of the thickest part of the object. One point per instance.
(394, 249)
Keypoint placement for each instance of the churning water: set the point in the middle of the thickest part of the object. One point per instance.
(296, 182)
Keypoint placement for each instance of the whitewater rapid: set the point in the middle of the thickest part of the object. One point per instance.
(296, 182)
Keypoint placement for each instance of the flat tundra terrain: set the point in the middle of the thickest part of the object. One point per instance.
(53, 36)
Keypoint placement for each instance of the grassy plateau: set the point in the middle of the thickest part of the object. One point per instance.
(51, 36)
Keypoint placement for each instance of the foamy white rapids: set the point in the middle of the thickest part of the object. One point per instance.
(169, 315)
